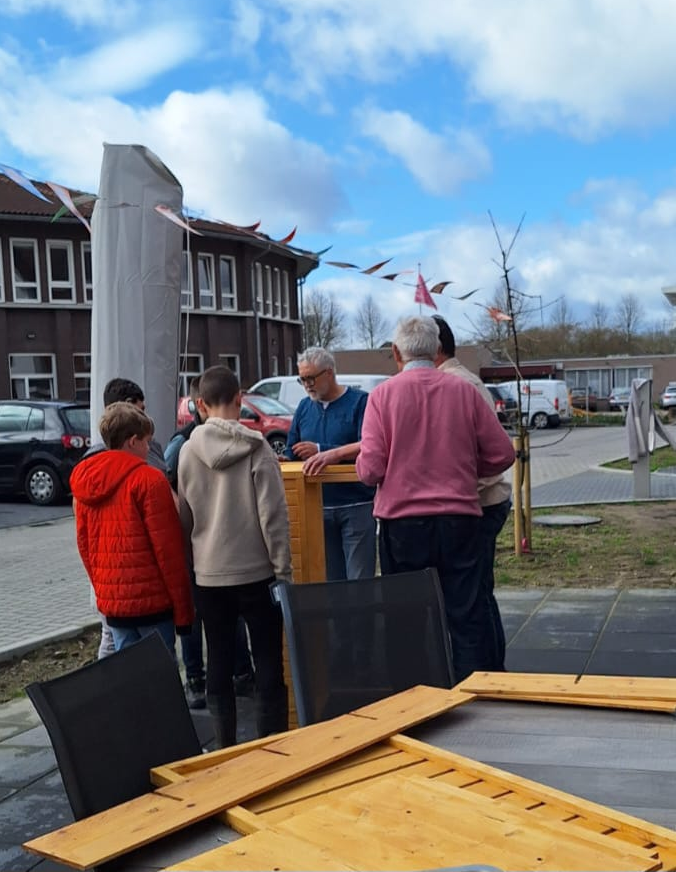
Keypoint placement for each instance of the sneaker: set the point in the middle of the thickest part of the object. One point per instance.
(244, 684)
(194, 693)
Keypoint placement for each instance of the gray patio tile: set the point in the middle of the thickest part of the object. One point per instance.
(535, 660)
(19, 766)
(632, 663)
(637, 643)
(544, 641)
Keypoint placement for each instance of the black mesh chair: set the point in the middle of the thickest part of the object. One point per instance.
(354, 642)
(110, 722)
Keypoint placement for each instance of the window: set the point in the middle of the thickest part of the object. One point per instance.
(60, 271)
(32, 376)
(268, 290)
(226, 268)
(274, 365)
(286, 310)
(276, 293)
(257, 279)
(2, 275)
(289, 366)
(187, 297)
(87, 281)
(192, 365)
(231, 361)
(205, 281)
(25, 282)
(82, 372)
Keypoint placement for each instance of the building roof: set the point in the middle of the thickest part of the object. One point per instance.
(15, 202)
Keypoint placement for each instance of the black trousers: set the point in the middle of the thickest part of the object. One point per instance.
(451, 544)
(220, 608)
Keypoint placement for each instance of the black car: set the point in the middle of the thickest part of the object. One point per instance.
(505, 405)
(40, 443)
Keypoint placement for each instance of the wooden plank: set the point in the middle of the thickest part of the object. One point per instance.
(538, 685)
(110, 834)
(576, 805)
(390, 821)
(266, 850)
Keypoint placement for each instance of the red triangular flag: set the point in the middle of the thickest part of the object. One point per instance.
(422, 295)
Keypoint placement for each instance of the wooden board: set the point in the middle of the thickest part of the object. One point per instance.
(114, 832)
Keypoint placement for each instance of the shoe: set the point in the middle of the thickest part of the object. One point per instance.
(195, 693)
(243, 684)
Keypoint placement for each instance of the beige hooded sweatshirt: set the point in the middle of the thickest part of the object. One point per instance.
(232, 506)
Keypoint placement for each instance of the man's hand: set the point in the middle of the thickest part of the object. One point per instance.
(304, 449)
(314, 465)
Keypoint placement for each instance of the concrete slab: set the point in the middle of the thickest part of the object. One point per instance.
(542, 640)
(638, 643)
(535, 660)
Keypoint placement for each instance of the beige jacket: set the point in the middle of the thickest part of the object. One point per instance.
(497, 488)
(232, 506)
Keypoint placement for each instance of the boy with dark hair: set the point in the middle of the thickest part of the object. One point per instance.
(233, 511)
(129, 535)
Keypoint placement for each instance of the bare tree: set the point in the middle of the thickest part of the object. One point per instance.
(629, 315)
(324, 320)
(599, 316)
(370, 326)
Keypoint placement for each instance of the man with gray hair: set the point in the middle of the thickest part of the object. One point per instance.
(326, 429)
(426, 441)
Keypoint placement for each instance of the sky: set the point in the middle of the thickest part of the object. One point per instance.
(381, 128)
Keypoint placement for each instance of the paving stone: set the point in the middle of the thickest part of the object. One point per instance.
(21, 765)
(632, 663)
(28, 813)
(638, 643)
(535, 660)
(531, 639)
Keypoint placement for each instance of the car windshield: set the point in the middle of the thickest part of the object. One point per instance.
(268, 406)
(79, 419)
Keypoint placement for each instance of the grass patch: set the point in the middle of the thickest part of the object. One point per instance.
(661, 458)
(632, 546)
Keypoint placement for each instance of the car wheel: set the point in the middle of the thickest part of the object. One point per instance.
(42, 486)
(540, 421)
(277, 442)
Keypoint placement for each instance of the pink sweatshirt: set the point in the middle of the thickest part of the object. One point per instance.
(426, 440)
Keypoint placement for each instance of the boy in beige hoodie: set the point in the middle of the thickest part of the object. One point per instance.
(233, 512)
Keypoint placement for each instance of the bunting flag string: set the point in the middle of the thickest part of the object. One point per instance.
(23, 181)
(79, 200)
(422, 295)
(166, 212)
(495, 313)
(467, 295)
(64, 195)
(287, 239)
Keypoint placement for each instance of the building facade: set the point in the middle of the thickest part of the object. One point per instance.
(240, 301)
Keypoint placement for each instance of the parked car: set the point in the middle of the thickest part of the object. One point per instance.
(544, 402)
(668, 396)
(583, 398)
(505, 405)
(618, 399)
(268, 416)
(287, 389)
(40, 443)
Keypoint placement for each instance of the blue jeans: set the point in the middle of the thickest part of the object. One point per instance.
(125, 636)
(451, 544)
(350, 542)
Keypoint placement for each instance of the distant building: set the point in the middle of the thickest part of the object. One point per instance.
(239, 299)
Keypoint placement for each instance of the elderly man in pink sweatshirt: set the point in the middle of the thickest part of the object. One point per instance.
(426, 441)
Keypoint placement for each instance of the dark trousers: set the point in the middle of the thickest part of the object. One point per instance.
(220, 608)
(451, 544)
(491, 523)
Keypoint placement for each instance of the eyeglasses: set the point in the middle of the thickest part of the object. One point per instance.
(309, 380)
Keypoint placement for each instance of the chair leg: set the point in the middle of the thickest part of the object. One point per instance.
(224, 720)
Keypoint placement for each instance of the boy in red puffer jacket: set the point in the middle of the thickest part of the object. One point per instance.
(129, 535)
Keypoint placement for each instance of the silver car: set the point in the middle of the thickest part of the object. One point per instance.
(618, 399)
(668, 396)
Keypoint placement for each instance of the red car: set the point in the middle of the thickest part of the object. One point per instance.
(268, 416)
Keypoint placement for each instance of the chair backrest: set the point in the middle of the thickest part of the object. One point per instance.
(110, 722)
(354, 642)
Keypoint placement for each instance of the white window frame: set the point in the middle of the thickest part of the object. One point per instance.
(56, 285)
(286, 304)
(257, 280)
(289, 365)
(2, 277)
(276, 293)
(207, 295)
(25, 243)
(82, 376)
(267, 282)
(232, 362)
(27, 377)
(187, 293)
(192, 365)
(87, 284)
(228, 298)
(274, 365)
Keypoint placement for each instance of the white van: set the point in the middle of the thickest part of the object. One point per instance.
(544, 402)
(287, 389)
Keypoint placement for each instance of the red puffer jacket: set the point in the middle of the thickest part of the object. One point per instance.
(130, 538)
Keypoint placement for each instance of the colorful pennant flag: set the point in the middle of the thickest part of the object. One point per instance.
(439, 287)
(496, 314)
(64, 195)
(370, 270)
(467, 295)
(23, 181)
(288, 238)
(79, 200)
(166, 212)
(422, 295)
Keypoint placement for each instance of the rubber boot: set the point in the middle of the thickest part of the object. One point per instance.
(223, 719)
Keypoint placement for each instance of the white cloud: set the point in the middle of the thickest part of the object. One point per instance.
(80, 12)
(586, 66)
(439, 162)
(129, 62)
